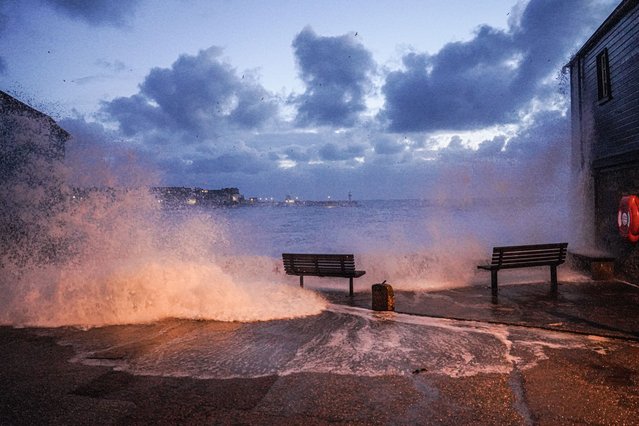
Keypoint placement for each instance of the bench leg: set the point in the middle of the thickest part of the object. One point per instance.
(302, 281)
(350, 286)
(493, 281)
(553, 278)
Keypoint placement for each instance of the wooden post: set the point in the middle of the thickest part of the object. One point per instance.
(383, 297)
(302, 281)
(350, 286)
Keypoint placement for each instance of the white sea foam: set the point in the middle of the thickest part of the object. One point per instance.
(113, 256)
(342, 340)
(109, 254)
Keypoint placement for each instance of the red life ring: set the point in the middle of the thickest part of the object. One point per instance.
(628, 218)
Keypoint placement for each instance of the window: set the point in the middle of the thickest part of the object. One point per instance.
(603, 77)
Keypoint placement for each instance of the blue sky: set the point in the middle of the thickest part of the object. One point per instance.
(401, 99)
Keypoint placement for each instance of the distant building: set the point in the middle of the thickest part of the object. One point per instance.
(32, 149)
(604, 82)
(177, 195)
(26, 134)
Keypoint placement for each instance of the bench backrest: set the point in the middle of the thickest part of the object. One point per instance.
(319, 264)
(530, 255)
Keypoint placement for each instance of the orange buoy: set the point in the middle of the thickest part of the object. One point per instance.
(628, 218)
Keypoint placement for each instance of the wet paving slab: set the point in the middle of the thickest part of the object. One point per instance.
(454, 357)
(603, 308)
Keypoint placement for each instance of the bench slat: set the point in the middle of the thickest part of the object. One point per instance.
(551, 250)
(555, 250)
(548, 250)
(536, 258)
(318, 256)
(525, 258)
(532, 247)
(525, 265)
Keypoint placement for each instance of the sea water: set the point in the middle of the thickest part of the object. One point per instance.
(341, 340)
(133, 261)
(200, 292)
(392, 226)
(85, 243)
(419, 245)
(413, 244)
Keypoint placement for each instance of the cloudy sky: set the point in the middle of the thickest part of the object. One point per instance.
(387, 99)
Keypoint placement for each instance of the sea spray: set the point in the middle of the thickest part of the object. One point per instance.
(110, 254)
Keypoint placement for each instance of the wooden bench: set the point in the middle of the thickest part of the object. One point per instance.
(321, 265)
(527, 256)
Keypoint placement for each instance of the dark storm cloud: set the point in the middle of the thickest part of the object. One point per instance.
(549, 133)
(4, 19)
(198, 97)
(97, 12)
(334, 152)
(134, 114)
(486, 80)
(210, 171)
(336, 72)
(95, 156)
(297, 153)
(386, 145)
(545, 138)
(241, 162)
(531, 166)
(491, 147)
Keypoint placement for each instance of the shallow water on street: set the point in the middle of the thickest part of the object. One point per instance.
(342, 340)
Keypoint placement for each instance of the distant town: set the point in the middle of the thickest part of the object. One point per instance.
(176, 196)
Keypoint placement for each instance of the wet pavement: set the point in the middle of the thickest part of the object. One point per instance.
(602, 308)
(454, 356)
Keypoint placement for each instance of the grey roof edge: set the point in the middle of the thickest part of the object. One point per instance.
(8, 99)
(620, 11)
